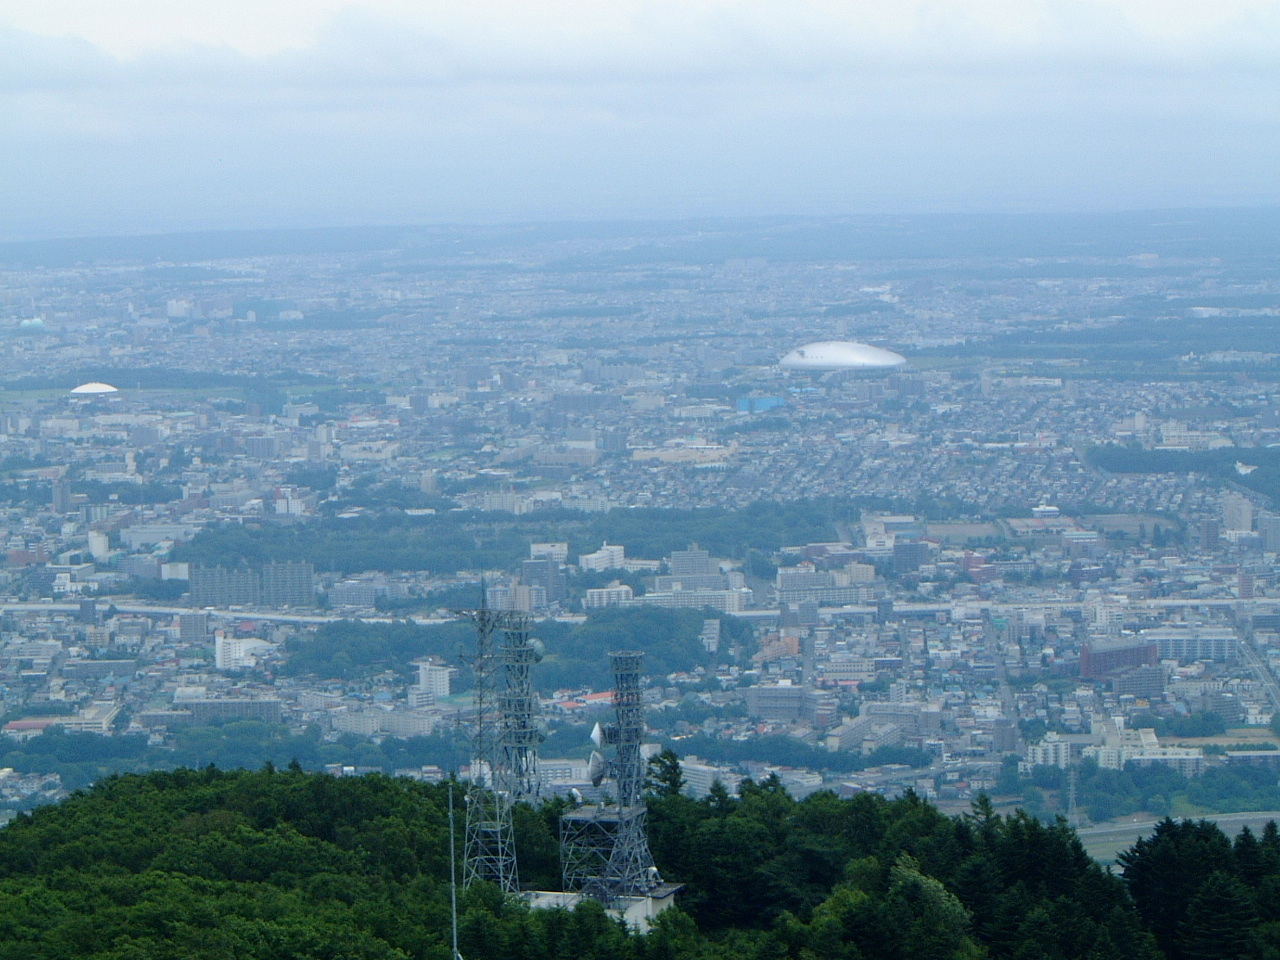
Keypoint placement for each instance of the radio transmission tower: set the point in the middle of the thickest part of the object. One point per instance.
(489, 851)
(521, 728)
(628, 702)
(605, 847)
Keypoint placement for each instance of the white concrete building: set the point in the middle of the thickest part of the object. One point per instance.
(239, 653)
(559, 552)
(434, 677)
(699, 777)
(608, 557)
(1052, 751)
(616, 594)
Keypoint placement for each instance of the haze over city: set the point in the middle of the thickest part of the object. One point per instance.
(150, 116)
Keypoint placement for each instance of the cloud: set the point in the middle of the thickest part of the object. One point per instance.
(153, 114)
(464, 40)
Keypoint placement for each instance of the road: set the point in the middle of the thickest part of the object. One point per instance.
(276, 616)
(223, 613)
(1104, 841)
(273, 616)
(1262, 672)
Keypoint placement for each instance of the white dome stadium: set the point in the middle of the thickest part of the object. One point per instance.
(840, 355)
(93, 388)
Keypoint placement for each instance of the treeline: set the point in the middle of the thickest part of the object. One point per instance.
(286, 865)
(157, 378)
(1124, 459)
(656, 532)
(1220, 463)
(442, 544)
(82, 759)
(148, 588)
(577, 653)
(33, 491)
(1155, 788)
(1204, 897)
(127, 493)
(789, 752)
(450, 542)
(348, 649)
(1192, 725)
(1135, 340)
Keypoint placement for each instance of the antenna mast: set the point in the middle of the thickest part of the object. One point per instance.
(605, 848)
(1073, 779)
(521, 729)
(453, 879)
(489, 849)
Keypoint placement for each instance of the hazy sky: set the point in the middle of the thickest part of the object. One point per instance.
(142, 115)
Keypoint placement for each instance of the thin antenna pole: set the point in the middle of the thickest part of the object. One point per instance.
(1073, 812)
(453, 879)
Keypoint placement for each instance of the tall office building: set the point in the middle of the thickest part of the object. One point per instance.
(1245, 585)
(61, 496)
(691, 563)
(1237, 513)
(224, 587)
(434, 677)
(290, 584)
(909, 555)
(193, 627)
(545, 573)
(1269, 530)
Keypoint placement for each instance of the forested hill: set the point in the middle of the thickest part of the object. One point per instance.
(289, 865)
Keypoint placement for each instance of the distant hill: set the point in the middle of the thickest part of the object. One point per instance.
(1228, 233)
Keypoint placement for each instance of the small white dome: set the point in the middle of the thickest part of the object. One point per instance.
(94, 387)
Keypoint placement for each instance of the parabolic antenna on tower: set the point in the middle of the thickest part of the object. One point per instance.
(840, 355)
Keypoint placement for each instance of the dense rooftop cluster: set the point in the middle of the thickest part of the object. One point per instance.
(924, 563)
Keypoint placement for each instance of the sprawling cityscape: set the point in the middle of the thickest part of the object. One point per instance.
(645, 480)
(249, 492)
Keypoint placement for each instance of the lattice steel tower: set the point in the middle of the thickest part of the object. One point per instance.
(628, 703)
(489, 851)
(605, 847)
(521, 729)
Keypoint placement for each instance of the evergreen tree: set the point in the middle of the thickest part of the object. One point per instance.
(1219, 922)
(277, 864)
(1165, 871)
(929, 921)
(666, 779)
(1246, 853)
